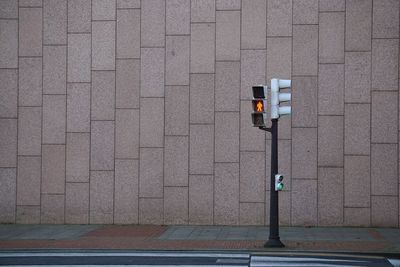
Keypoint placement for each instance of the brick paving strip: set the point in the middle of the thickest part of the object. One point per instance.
(162, 238)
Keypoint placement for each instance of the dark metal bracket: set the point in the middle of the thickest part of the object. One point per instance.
(265, 129)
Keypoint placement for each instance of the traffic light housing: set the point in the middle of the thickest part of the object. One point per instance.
(278, 182)
(277, 98)
(259, 104)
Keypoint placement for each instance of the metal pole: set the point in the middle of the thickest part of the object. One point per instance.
(274, 240)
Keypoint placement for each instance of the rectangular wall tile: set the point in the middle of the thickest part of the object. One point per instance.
(304, 202)
(153, 23)
(357, 181)
(358, 25)
(305, 49)
(385, 211)
(54, 119)
(228, 4)
(9, 93)
(385, 66)
(79, 58)
(304, 103)
(285, 206)
(77, 203)
(102, 145)
(202, 48)
(176, 161)
(103, 9)
(128, 33)
(252, 213)
(28, 215)
(279, 18)
(202, 98)
(201, 154)
(357, 217)
(252, 71)
(151, 122)
(101, 197)
(305, 12)
(385, 19)
(279, 58)
(226, 207)
(203, 10)
(357, 84)
(304, 153)
(176, 205)
(126, 191)
(128, 83)
(29, 131)
(252, 176)
(9, 44)
(151, 172)
(331, 37)
(8, 142)
(30, 32)
(331, 89)
(251, 138)
(254, 24)
(128, 3)
(127, 133)
(52, 209)
(103, 95)
(9, 9)
(79, 16)
(8, 191)
(78, 157)
(176, 110)
(227, 136)
(78, 107)
(384, 172)
(151, 211)
(228, 35)
(357, 129)
(54, 66)
(177, 17)
(53, 169)
(201, 198)
(28, 180)
(30, 3)
(152, 72)
(177, 60)
(332, 5)
(55, 22)
(227, 86)
(330, 141)
(384, 117)
(103, 45)
(30, 82)
(330, 196)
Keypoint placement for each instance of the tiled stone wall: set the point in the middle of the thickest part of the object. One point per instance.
(129, 111)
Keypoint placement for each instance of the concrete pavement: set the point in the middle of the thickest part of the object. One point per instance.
(243, 238)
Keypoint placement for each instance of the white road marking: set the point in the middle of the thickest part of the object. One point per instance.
(394, 262)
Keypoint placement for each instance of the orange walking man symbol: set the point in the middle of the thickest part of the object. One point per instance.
(259, 106)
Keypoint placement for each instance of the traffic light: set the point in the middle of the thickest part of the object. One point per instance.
(277, 97)
(278, 182)
(259, 115)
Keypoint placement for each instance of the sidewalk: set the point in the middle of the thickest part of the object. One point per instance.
(139, 237)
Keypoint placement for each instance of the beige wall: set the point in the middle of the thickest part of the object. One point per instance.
(129, 111)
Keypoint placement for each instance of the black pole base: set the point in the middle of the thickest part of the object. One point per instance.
(274, 243)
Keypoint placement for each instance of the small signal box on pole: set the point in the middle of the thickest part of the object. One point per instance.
(259, 103)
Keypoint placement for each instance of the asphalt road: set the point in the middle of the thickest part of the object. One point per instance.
(195, 259)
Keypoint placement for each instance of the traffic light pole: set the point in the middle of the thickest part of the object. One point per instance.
(274, 239)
